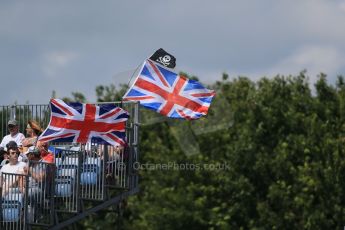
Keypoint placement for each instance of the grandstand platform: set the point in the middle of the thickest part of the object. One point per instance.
(84, 179)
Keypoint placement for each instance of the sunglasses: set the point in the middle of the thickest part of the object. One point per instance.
(11, 126)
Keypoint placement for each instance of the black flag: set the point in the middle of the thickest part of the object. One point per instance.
(164, 58)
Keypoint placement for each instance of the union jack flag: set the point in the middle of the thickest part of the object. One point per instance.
(81, 123)
(158, 88)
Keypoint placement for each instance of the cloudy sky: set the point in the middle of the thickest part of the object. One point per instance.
(70, 46)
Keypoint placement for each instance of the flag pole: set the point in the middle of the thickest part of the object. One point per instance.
(140, 65)
(136, 69)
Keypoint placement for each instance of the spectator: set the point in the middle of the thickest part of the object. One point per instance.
(40, 185)
(2, 153)
(33, 130)
(39, 170)
(14, 135)
(34, 154)
(14, 166)
(45, 154)
(37, 173)
(4, 159)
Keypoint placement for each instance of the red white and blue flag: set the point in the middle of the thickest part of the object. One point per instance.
(82, 123)
(170, 94)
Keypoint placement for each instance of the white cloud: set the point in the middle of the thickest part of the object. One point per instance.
(56, 61)
(315, 59)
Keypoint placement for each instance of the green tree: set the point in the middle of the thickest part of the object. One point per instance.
(283, 152)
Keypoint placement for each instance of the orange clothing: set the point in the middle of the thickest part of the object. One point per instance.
(48, 157)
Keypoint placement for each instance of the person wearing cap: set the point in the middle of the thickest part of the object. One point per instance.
(37, 174)
(14, 166)
(36, 170)
(14, 135)
(33, 154)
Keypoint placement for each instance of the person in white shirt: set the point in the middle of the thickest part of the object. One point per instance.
(14, 166)
(14, 135)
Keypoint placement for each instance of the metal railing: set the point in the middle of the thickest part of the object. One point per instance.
(40, 194)
(13, 204)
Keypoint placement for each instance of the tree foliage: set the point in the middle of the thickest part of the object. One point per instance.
(281, 145)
